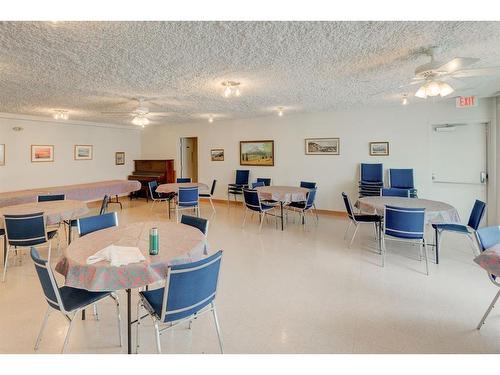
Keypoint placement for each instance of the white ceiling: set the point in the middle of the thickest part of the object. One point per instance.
(90, 67)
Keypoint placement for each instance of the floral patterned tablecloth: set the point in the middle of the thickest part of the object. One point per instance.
(490, 260)
(285, 194)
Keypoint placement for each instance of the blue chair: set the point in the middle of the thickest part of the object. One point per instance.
(180, 180)
(266, 181)
(405, 225)
(254, 204)
(356, 219)
(69, 301)
(91, 224)
(241, 182)
(395, 192)
(158, 197)
(304, 207)
(51, 197)
(104, 207)
(189, 292)
(468, 230)
(403, 179)
(308, 185)
(2, 233)
(257, 184)
(371, 179)
(488, 237)
(210, 195)
(196, 222)
(25, 231)
(188, 199)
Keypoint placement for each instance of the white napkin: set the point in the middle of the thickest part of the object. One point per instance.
(117, 255)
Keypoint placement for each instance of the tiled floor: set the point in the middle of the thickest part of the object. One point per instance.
(297, 291)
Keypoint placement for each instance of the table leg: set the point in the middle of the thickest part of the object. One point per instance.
(436, 241)
(69, 232)
(281, 205)
(83, 314)
(169, 208)
(129, 322)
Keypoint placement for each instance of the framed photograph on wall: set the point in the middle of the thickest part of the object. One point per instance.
(83, 152)
(120, 158)
(217, 154)
(257, 153)
(323, 146)
(379, 148)
(42, 153)
(2, 154)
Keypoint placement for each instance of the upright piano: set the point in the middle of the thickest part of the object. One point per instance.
(145, 171)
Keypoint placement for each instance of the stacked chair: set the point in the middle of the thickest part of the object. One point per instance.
(403, 179)
(371, 180)
(240, 183)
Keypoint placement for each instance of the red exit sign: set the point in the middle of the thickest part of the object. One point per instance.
(466, 101)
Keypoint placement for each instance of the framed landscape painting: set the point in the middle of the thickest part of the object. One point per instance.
(217, 154)
(2, 154)
(257, 153)
(42, 153)
(83, 152)
(120, 158)
(323, 146)
(379, 148)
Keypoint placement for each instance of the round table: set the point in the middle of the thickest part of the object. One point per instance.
(174, 187)
(283, 195)
(179, 244)
(490, 260)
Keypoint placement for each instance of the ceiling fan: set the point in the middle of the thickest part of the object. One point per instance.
(433, 76)
(140, 114)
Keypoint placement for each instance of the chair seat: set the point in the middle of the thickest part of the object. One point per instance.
(270, 202)
(452, 227)
(367, 218)
(51, 234)
(74, 298)
(300, 205)
(204, 195)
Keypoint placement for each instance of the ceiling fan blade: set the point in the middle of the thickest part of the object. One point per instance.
(458, 63)
(117, 113)
(465, 73)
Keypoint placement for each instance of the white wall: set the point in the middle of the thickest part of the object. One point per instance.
(20, 173)
(406, 128)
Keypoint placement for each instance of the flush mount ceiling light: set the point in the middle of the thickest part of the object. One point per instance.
(210, 119)
(231, 88)
(140, 121)
(280, 111)
(60, 114)
(404, 99)
(434, 88)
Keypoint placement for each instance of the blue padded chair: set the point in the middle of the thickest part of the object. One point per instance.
(51, 197)
(405, 225)
(304, 207)
(403, 179)
(254, 204)
(180, 180)
(25, 231)
(356, 219)
(158, 197)
(190, 291)
(486, 238)
(468, 230)
(210, 195)
(69, 301)
(196, 222)
(241, 182)
(91, 224)
(395, 192)
(371, 179)
(266, 181)
(258, 184)
(188, 199)
(104, 207)
(308, 185)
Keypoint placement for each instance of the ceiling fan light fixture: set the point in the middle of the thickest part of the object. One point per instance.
(445, 89)
(421, 93)
(140, 121)
(433, 88)
(232, 88)
(60, 114)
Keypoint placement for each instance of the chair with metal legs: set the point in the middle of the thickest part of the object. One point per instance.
(395, 192)
(304, 207)
(254, 204)
(102, 211)
(357, 219)
(488, 237)
(196, 222)
(188, 199)
(158, 197)
(310, 185)
(181, 180)
(25, 231)
(69, 301)
(189, 292)
(210, 195)
(241, 182)
(265, 180)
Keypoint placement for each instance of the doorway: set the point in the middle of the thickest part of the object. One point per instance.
(459, 155)
(189, 158)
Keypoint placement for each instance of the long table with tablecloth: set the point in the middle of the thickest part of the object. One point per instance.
(82, 192)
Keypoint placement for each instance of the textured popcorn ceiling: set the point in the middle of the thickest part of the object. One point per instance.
(89, 67)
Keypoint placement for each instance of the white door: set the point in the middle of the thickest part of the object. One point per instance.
(459, 165)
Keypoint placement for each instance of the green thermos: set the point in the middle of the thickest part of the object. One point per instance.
(154, 241)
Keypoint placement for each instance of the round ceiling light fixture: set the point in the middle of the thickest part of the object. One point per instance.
(60, 114)
(140, 121)
(231, 88)
(404, 99)
(280, 111)
(434, 88)
(210, 119)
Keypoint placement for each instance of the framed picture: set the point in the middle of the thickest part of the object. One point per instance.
(257, 153)
(120, 158)
(217, 154)
(83, 152)
(42, 153)
(2, 154)
(323, 146)
(379, 148)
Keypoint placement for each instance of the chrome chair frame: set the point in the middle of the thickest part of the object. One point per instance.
(151, 195)
(262, 211)
(209, 195)
(352, 220)
(196, 207)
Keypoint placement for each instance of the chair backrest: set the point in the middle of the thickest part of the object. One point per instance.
(183, 179)
(25, 230)
(372, 172)
(266, 181)
(488, 237)
(104, 205)
(51, 197)
(476, 214)
(47, 281)
(401, 178)
(395, 192)
(257, 184)
(152, 186)
(188, 196)
(242, 176)
(311, 196)
(252, 200)
(91, 224)
(197, 222)
(348, 206)
(190, 287)
(407, 223)
(307, 185)
(212, 189)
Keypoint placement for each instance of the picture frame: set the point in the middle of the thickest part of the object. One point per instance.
(322, 146)
(2, 154)
(120, 158)
(379, 148)
(83, 152)
(217, 154)
(257, 153)
(42, 153)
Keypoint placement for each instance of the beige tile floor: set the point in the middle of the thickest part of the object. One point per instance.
(297, 291)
